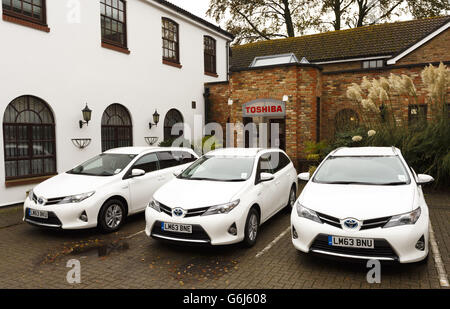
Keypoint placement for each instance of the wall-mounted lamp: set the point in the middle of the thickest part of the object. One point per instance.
(155, 120)
(285, 98)
(230, 101)
(87, 113)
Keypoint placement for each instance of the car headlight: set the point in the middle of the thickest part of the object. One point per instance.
(30, 194)
(404, 219)
(307, 213)
(221, 209)
(76, 198)
(155, 205)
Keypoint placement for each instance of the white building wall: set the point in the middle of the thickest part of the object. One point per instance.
(67, 67)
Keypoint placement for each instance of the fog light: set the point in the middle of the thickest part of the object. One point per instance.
(233, 229)
(84, 217)
(420, 245)
(294, 233)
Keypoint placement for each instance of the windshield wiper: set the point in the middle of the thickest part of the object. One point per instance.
(348, 183)
(395, 183)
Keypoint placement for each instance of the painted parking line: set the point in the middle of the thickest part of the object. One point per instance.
(273, 242)
(135, 234)
(443, 278)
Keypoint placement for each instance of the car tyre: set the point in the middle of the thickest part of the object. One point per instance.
(251, 228)
(111, 216)
(292, 198)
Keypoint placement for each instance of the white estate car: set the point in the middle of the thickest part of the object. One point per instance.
(223, 197)
(363, 203)
(104, 190)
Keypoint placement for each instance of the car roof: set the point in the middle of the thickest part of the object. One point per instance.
(365, 151)
(139, 150)
(242, 152)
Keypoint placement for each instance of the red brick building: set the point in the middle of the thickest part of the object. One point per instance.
(305, 79)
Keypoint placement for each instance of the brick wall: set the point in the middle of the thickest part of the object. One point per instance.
(300, 83)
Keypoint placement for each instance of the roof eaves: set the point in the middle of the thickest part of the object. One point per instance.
(444, 26)
(195, 18)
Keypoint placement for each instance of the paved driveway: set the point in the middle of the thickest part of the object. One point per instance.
(35, 258)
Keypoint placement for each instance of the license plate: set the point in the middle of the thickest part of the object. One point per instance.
(351, 242)
(175, 227)
(38, 213)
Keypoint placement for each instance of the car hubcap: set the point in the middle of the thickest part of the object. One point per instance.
(113, 216)
(252, 227)
(292, 198)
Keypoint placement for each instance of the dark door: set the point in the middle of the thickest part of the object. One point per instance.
(282, 132)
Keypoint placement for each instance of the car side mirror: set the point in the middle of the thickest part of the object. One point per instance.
(137, 172)
(304, 176)
(423, 179)
(266, 177)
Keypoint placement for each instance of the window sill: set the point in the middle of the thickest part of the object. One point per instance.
(26, 181)
(211, 74)
(25, 23)
(173, 64)
(116, 48)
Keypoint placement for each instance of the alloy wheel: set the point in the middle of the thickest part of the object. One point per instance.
(253, 227)
(113, 216)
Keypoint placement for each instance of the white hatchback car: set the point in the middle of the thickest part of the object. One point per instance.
(104, 190)
(363, 203)
(223, 197)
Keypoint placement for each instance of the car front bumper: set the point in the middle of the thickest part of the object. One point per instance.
(211, 229)
(395, 243)
(64, 216)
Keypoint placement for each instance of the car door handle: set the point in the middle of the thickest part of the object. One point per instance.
(278, 182)
(125, 187)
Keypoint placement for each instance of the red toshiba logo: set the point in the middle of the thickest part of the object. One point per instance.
(264, 109)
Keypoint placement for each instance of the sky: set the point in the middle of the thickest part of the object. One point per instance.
(197, 7)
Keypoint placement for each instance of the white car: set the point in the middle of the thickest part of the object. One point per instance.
(223, 197)
(104, 190)
(363, 203)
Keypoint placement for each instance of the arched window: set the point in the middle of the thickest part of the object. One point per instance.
(116, 127)
(172, 117)
(29, 137)
(345, 120)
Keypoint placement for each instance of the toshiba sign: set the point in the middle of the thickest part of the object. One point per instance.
(264, 108)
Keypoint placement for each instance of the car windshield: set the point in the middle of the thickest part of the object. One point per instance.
(220, 168)
(106, 164)
(368, 170)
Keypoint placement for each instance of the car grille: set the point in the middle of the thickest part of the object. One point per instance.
(198, 233)
(366, 224)
(382, 249)
(52, 219)
(49, 202)
(190, 213)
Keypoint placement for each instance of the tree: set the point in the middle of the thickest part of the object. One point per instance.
(252, 20)
(428, 8)
(339, 8)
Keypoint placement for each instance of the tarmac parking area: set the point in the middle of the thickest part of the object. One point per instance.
(31, 257)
